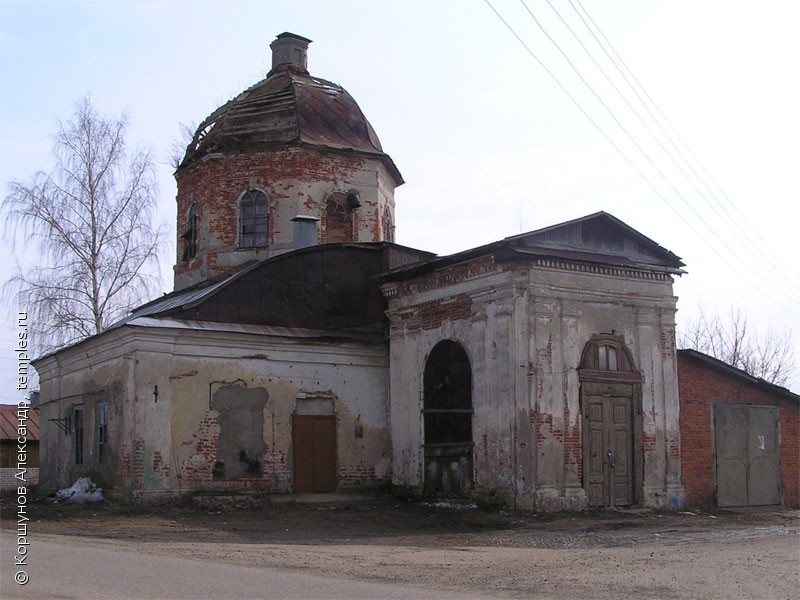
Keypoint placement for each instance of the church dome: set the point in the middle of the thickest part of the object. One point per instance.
(289, 107)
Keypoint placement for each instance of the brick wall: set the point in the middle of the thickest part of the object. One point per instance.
(8, 481)
(288, 177)
(701, 386)
(431, 315)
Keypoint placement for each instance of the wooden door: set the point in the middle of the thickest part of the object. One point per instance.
(608, 450)
(314, 448)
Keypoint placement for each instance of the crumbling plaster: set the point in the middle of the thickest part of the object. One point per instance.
(169, 430)
(524, 337)
(297, 181)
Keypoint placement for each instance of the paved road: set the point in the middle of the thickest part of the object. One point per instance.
(72, 567)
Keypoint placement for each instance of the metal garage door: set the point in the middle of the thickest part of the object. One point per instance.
(747, 453)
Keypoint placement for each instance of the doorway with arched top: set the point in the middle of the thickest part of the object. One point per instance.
(447, 421)
(611, 409)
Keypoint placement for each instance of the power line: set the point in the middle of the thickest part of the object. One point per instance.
(650, 160)
(732, 223)
(619, 150)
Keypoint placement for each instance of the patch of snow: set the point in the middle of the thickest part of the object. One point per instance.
(81, 491)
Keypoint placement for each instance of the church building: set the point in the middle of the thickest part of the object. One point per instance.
(304, 350)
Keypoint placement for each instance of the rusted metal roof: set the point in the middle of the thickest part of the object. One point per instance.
(9, 423)
(288, 107)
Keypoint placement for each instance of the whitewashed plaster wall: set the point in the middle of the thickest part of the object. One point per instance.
(166, 427)
(524, 335)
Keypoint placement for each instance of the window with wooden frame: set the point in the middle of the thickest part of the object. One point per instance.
(253, 213)
(190, 234)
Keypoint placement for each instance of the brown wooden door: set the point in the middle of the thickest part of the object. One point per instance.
(608, 450)
(314, 447)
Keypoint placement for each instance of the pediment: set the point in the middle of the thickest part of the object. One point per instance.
(600, 235)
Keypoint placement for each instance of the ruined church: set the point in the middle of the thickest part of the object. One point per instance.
(304, 350)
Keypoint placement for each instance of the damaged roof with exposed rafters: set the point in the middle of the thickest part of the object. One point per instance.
(288, 107)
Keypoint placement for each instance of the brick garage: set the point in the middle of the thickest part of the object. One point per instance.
(706, 382)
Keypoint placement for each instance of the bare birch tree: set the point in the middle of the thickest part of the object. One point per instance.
(769, 356)
(90, 220)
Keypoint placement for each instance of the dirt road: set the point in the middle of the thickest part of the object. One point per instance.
(605, 554)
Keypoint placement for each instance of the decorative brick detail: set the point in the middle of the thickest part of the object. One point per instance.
(431, 315)
(449, 276)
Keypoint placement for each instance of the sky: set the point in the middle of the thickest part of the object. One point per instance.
(495, 132)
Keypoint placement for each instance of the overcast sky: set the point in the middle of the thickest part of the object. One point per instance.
(482, 129)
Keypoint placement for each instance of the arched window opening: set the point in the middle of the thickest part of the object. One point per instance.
(190, 234)
(606, 357)
(253, 219)
(607, 352)
(338, 219)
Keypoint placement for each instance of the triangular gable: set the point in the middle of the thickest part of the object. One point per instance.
(599, 234)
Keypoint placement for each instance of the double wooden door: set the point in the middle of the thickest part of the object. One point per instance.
(608, 444)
